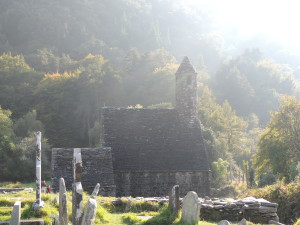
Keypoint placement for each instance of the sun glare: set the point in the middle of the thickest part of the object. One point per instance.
(277, 19)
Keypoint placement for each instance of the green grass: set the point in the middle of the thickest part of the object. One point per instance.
(17, 185)
(107, 213)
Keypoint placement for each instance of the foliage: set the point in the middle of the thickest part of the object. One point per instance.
(220, 168)
(18, 153)
(226, 136)
(279, 143)
(5, 123)
(252, 84)
(17, 83)
(27, 124)
(286, 195)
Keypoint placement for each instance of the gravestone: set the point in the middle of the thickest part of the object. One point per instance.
(91, 208)
(191, 208)
(224, 222)
(77, 187)
(96, 191)
(16, 214)
(63, 208)
(243, 222)
(174, 200)
(38, 156)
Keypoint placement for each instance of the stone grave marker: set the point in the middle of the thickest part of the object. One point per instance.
(174, 199)
(91, 208)
(63, 208)
(16, 214)
(191, 208)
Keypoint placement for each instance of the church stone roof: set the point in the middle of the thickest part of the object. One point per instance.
(185, 67)
(153, 140)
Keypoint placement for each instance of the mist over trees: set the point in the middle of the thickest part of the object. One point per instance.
(62, 61)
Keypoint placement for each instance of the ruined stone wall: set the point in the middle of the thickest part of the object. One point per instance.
(148, 184)
(254, 210)
(97, 168)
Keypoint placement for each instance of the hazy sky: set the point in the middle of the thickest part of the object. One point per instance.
(277, 19)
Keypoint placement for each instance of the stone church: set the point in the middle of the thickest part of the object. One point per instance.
(145, 151)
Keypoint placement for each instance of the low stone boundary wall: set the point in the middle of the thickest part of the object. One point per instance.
(4, 190)
(252, 209)
(26, 222)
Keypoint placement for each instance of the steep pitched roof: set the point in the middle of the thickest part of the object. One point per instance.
(185, 67)
(153, 140)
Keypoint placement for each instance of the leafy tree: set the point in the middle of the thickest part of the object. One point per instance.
(151, 77)
(252, 84)
(6, 142)
(279, 143)
(17, 83)
(220, 168)
(5, 123)
(27, 124)
(229, 129)
(57, 96)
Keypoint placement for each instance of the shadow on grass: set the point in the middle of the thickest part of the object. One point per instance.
(165, 217)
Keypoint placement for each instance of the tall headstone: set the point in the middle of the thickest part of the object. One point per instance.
(186, 92)
(63, 208)
(16, 214)
(191, 208)
(90, 212)
(174, 200)
(91, 208)
(38, 154)
(95, 191)
(77, 210)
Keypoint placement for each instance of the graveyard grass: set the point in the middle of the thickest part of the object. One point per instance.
(107, 213)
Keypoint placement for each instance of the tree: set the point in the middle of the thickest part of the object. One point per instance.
(27, 124)
(220, 168)
(279, 144)
(17, 84)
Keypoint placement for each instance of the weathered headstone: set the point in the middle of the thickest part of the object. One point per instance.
(174, 199)
(191, 208)
(38, 202)
(90, 212)
(243, 222)
(63, 208)
(55, 218)
(16, 214)
(77, 188)
(128, 206)
(95, 191)
(224, 222)
(91, 207)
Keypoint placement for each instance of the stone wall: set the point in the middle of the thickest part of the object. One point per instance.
(153, 149)
(252, 209)
(97, 168)
(148, 184)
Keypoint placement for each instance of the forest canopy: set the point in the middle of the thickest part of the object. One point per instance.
(62, 61)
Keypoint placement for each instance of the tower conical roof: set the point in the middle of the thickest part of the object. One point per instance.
(185, 67)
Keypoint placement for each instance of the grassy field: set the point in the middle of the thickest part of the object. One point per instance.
(107, 213)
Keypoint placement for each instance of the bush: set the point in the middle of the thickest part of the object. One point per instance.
(286, 195)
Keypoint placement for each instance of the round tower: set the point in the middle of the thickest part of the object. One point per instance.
(186, 92)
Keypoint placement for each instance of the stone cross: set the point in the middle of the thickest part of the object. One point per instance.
(38, 202)
(91, 208)
(63, 208)
(77, 187)
(174, 200)
(191, 208)
(16, 214)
